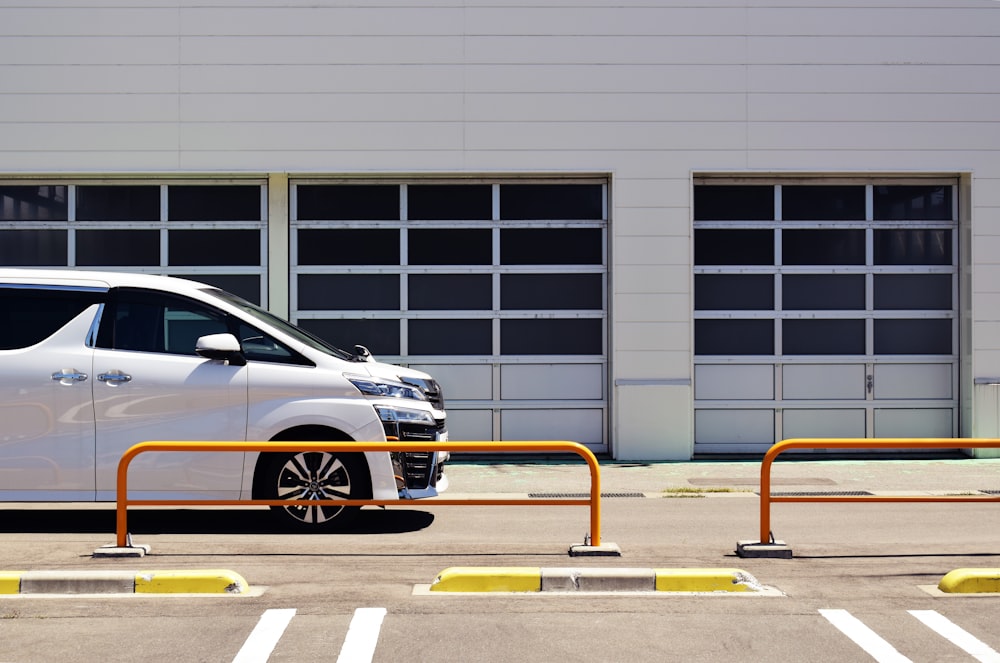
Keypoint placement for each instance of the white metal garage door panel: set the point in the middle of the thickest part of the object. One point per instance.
(913, 381)
(913, 423)
(823, 381)
(551, 381)
(475, 425)
(584, 426)
(465, 382)
(734, 382)
(733, 427)
(823, 423)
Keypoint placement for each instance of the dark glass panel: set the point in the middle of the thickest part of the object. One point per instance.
(823, 247)
(214, 247)
(916, 292)
(734, 202)
(913, 247)
(456, 292)
(348, 292)
(733, 247)
(350, 246)
(450, 337)
(449, 202)
(246, 286)
(450, 246)
(28, 248)
(214, 202)
(118, 247)
(347, 202)
(46, 202)
(551, 201)
(548, 336)
(913, 337)
(823, 292)
(551, 291)
(823, 337)
(379, 336)
(822, 202)
(913, 203)
(733, 337)
(733, 292)
(118, 203)
(551, 246)
(29, 316)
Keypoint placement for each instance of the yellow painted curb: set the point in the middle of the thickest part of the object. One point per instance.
(488, 579)
(10, 582)
(971, 581)
(190, 582)
(705, 580)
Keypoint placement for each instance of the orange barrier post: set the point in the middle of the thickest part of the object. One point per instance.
(123, 501)
(925, 444)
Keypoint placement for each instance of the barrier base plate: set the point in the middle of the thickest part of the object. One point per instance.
(112, 550)
(603, 550)
(776, 549)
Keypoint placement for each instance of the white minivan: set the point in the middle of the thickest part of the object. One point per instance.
(92, 363)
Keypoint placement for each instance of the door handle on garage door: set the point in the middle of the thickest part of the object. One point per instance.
(114, 377)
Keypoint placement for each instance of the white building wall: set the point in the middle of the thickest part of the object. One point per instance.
(646, 91)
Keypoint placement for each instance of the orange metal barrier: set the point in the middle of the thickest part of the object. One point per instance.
(594, 501)
(925, 444)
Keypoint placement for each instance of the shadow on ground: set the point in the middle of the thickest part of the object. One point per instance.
(197, 521)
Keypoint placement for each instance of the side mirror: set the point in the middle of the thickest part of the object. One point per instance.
(223, 347)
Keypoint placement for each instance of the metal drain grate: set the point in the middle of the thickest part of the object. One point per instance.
(831, 493)
(547, 496)
(990, 492)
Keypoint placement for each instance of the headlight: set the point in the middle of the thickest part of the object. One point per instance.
(404, 416)
(385, 388)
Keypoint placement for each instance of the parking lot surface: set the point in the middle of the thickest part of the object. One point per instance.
(860, 587)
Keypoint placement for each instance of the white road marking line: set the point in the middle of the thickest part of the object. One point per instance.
(362, 636)
(265, 636)
(864, 637)
(957, 635)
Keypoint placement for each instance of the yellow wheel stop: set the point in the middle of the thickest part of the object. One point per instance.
(216, 581)
(488, 579)
(971, 581)
(705, 580)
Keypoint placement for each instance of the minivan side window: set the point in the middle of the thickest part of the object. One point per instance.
(29, 315)
(146, 321)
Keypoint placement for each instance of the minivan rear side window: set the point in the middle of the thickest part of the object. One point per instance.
(29, 315)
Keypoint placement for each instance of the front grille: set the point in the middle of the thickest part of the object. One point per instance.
(417, 467)
(431, 389)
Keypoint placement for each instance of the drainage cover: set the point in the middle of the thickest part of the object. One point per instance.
(845, 493)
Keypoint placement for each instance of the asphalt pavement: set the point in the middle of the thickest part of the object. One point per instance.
(791, 473)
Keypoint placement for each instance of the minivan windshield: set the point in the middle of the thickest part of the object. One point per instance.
(288, 328)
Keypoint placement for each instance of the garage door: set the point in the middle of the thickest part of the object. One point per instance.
(824, 310)
(497, 288)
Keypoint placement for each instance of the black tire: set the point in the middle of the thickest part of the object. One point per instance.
(316, 475)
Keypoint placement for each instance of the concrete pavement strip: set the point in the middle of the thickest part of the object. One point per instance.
(479, 579)
(214, 581)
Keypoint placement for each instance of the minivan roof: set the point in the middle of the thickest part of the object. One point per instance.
(73, 277)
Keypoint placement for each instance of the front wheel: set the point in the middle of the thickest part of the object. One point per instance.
(316, 475)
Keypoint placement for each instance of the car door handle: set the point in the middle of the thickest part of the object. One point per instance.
(114, 377)
(69, 375)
